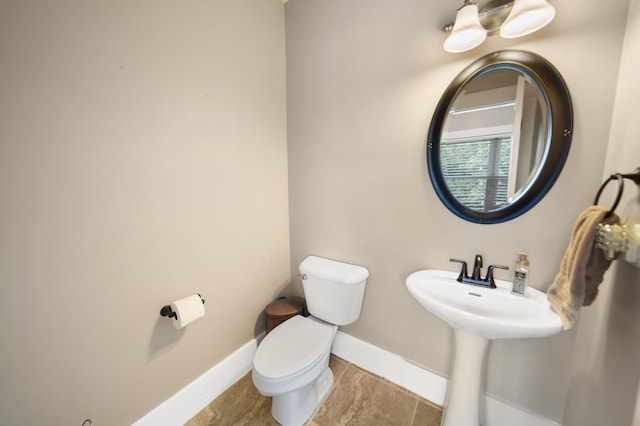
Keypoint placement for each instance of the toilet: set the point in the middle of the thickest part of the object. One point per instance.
(292, 362)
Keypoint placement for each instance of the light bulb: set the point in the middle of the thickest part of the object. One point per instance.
(526, 17)
(467, 31)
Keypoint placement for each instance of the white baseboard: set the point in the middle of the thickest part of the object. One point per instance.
(390, 366)
(422, 382)
(499, 413)
(198, 394)
(190, 400)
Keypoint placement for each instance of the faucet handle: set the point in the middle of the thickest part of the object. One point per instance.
(489, 277)
(463, 270)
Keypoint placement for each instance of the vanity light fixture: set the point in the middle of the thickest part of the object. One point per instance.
(509, 18)
(467, 32)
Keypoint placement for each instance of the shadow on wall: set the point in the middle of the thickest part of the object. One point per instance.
(607, 391)
(283, 290)
(620, 375)
(163, 336)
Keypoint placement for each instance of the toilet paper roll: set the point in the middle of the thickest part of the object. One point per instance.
(187, 310)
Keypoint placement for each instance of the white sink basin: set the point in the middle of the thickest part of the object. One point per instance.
(477, 315)
(493, 313)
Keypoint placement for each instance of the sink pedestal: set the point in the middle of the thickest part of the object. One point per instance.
(484, 314)
(462, 403)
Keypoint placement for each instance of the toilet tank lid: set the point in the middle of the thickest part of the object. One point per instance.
(333, 270)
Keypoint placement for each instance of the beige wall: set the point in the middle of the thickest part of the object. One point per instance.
(605, 376)
(363, 79)
(142, 159)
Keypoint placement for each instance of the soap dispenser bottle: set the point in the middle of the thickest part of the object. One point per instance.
(521, 271)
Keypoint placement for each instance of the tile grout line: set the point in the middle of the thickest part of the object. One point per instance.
(385, 382)
(415, 411)
(311, 421)
(209, 415)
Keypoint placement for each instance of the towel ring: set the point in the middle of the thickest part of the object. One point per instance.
(620, 179)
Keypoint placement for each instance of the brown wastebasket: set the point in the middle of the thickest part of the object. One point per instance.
(281, 310)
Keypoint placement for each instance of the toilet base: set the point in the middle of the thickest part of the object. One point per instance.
(296, 407)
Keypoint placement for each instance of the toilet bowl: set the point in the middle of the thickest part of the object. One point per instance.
(291, 365)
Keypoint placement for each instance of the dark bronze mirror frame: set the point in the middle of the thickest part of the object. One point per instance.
(556, 92)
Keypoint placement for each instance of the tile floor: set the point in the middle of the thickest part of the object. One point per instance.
(357, 398)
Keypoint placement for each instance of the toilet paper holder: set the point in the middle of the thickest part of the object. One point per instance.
(166, 310)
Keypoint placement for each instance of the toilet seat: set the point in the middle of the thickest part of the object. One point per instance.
(292, 346)
(294, 352)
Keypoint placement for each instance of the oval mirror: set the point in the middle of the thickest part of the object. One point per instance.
(500, 136)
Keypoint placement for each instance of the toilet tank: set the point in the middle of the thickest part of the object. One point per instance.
(334, 291)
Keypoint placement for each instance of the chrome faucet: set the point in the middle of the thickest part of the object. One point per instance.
(476, 275)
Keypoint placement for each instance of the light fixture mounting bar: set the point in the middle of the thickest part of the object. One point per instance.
(492, 14)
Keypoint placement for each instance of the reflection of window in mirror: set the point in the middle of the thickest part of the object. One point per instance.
(499, 136)
(490, 145)
(476, 171)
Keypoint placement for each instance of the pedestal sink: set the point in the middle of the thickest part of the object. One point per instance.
(478, 315)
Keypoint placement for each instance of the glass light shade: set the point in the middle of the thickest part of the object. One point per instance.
(467, 31)
(526, 17)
